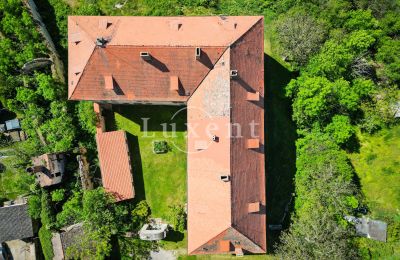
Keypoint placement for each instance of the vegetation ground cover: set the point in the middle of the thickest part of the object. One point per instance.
(378, 168)
(160, 179)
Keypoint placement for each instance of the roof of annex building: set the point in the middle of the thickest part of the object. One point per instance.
(214, 65)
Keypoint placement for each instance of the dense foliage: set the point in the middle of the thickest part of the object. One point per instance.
(348, 80)
(345, 57)
(45, 236)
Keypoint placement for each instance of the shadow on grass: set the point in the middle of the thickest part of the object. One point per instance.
(280, 149)
(137, 171)
(174, 236)
(154, 116)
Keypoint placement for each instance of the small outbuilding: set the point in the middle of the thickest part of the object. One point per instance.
(369, 228)
(15, 222)
(153, 231)
(49, 168)
(67, 237)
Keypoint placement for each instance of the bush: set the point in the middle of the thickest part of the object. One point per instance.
(58, 195)
(87, 116)
(140, 214)
(160, 147)
(46, 214)
(45, 236)
(34, 206)
(71, 211)
(177, 217)
(340, 129)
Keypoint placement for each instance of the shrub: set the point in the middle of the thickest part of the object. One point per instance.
(160, 147)
(87, 116)
(140, 214)
(340, 129)
(58, 195)
(34, 206)
(177, 217)
(46, 214)
(45, 241)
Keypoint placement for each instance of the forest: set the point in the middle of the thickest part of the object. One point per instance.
(338, 87)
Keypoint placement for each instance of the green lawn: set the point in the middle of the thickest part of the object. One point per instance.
(13, 181)
(378, 169)
(159, 178)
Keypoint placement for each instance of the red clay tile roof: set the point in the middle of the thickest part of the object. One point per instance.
(218, 210)
(140, 80)
(115, 164)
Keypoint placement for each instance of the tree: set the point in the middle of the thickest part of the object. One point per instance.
(87, 117)
(340, 129)
(177, 217)
(71, 211)
(300, 36)
(34, 206)
(140, 214)
(57, 195)
(332, 62)
(360, 20)
(48, 88)
(388, 56)
(323, 188)
(313, 99)
(46, 215)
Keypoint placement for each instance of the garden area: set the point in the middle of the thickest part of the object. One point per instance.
(159, 178)
(377, 167)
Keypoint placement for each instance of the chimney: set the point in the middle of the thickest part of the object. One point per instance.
(225, 246)
(225, 178)
(253, 143)
(75, 37)
(174, 83)
(254, 207)
(253, 96)
(234, 74)
(197, 53)
(35, 169)
(104, 24)
(175, 25)
(145, 55)
(109, 82)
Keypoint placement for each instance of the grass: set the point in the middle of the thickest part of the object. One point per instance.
(280, 149)
(160, 179)
(14, 183)
(377, 167)
(45, 241)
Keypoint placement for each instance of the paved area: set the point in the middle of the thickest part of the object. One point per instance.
(163, 255)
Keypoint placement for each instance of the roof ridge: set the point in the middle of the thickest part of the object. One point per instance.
(208, 73)
(247, 31)
(83, 71)
(254, 243)
(214, 237)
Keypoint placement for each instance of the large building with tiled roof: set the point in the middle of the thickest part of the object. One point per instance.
(214, 66)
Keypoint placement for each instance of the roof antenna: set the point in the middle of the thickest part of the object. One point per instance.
(101, 42)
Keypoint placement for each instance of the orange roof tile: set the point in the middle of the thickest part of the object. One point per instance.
(218, 207)
(140, 80)
(115, 164)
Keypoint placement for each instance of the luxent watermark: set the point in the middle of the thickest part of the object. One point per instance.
(204, 130)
